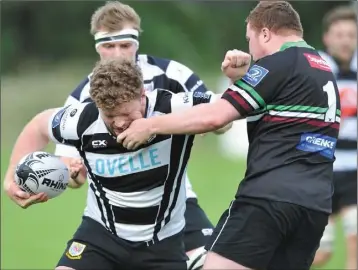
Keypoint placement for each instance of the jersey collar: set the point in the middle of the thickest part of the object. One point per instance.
(295, 44)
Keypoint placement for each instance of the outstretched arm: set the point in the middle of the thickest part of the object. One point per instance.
(199, 119)
(33, 137)
(54, 124)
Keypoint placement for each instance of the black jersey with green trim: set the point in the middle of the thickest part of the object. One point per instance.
(291, 103)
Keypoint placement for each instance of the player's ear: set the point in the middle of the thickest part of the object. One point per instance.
(143, 92)
(266, 33)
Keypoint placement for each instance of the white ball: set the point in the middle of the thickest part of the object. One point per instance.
(42, 172)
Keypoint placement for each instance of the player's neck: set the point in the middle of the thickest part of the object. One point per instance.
(282, 40)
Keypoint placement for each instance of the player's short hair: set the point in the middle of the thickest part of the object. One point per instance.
(341, 13)
(113, 16)
(114, 82)
(277, 16)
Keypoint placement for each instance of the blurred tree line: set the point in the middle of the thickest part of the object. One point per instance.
(197, 33)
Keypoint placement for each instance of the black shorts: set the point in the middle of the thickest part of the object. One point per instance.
(198, 228)
(93, 247)
(262, 234)
(345, 190)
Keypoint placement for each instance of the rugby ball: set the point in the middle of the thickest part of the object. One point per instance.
(42, 172)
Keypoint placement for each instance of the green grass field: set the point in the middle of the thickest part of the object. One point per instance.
(36, 237)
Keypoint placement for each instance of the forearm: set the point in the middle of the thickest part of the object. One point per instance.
(32, 138)
(200, 119)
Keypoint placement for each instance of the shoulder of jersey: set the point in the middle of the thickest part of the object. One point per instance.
(145, 60)
(80, 107)
(162, 63)
(276, 61)
(330, 61)
(163, 91)
(152, 59)
(86, 112)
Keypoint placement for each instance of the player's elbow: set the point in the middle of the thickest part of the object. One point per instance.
(214, 122)
(222, 130)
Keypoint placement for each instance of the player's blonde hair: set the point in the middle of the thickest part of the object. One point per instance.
(277, 16)
(113, 16)
(115, 82)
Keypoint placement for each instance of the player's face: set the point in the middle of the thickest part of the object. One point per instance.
(119, 119)
(256, 42)
(123, 49)
(341, 40)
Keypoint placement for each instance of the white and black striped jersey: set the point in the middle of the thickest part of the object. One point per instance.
(346, 150)
(138, 195)
(157, 73)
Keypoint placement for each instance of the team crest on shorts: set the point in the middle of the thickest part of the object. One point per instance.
(75, 251)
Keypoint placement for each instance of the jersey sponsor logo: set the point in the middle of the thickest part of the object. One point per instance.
(186, 97)
(99, 143)
(201, 95)
(316, 61)
(255, 75)
(64, 120)
(318, 143)
(151, 157)
(196, 86)
(75, 251)
(73, 113)
(57, 118)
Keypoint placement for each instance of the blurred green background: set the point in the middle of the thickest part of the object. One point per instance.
(46, 50)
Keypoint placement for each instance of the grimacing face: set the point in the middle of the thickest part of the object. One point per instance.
(120, 118)
(341, 40)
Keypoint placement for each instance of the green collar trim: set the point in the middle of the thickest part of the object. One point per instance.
(295, 44)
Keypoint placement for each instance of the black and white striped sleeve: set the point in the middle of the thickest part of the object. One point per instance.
(65, 124)
(78, 95)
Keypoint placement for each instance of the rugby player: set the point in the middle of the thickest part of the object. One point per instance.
(290, 100)
(340, 40)
(134, 216)
(115, 28)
